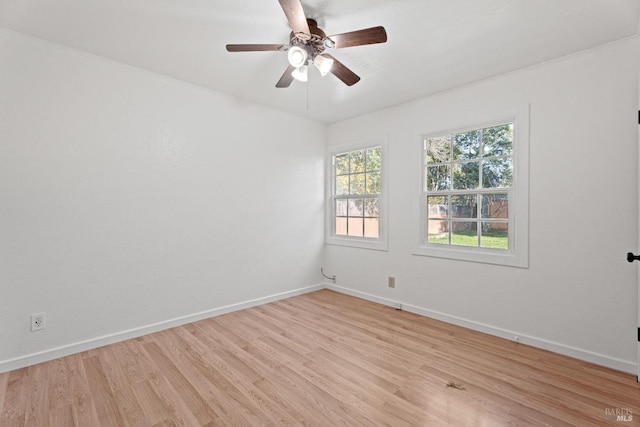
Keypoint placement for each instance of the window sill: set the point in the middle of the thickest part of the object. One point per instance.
(374, 244)
(485, 256)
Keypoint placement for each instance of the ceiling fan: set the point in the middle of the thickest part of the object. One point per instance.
(308, 43)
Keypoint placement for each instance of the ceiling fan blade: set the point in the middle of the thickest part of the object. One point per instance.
(339, 70)
(295, 15)
(286, 78)
(256, 47)
(361, 37)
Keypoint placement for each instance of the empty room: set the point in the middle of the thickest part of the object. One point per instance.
(319, 212)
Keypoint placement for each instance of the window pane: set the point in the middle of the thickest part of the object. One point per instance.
(438, 206)
(466, 145)
(371, 207)
(357, 161)
(438, 231)
(342, 164)
(357, 183)
(464, 206)
(495, 206)
(469, 189)
(466, 175)
(438, 149)
(438, 178)
(357, 187)
(497, 173)
(495, 235)
(498, 140)
(342, 185)
(373, 183)
(464, 233)
(355, 207)
(355, 227)
(374, 159)
(371, 228)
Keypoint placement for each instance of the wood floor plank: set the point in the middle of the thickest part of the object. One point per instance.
(233, 367)
(4, 384)
(37, 408)
(150, 403)
(307, 411)
(82, 407)
(121, 389)
(163, 394)
(295, 329)
(62, 416)
(321, 359)
(195, 402)
(59, 385)
(349, 394)
(209, 367)
(212, 337)
(206, 377)
(13, 412)
(239, 372)
(132, 362)
(103, 398)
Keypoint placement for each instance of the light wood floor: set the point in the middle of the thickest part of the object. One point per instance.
(321, 359)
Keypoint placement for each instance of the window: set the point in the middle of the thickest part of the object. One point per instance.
(472, 192)
(464, 171)
(356, 206)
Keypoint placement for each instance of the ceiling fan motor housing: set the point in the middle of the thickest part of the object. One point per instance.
(313, 44)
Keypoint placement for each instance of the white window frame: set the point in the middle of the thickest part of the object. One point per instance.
(518, 253)
(379, 243)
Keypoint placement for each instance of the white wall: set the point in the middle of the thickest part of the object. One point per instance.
(579, 295)
(128, 199)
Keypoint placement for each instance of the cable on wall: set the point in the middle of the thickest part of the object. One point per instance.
(332, 278)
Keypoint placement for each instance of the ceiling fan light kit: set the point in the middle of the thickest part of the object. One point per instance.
(307, 44)
(297, 56)
(323, 64)
(301, 73)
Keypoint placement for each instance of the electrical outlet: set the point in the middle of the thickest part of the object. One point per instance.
(37, 321)
(392, 282)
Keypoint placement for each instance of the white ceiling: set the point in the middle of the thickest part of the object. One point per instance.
(433, 45)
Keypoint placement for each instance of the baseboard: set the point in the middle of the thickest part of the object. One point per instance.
(578, 353)
(363, 295)
(66, 350)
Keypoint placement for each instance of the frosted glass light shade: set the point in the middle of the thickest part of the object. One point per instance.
(301, 73)
(297, 56)
(323, 64)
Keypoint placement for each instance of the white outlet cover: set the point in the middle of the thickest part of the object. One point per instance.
(37, 321)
